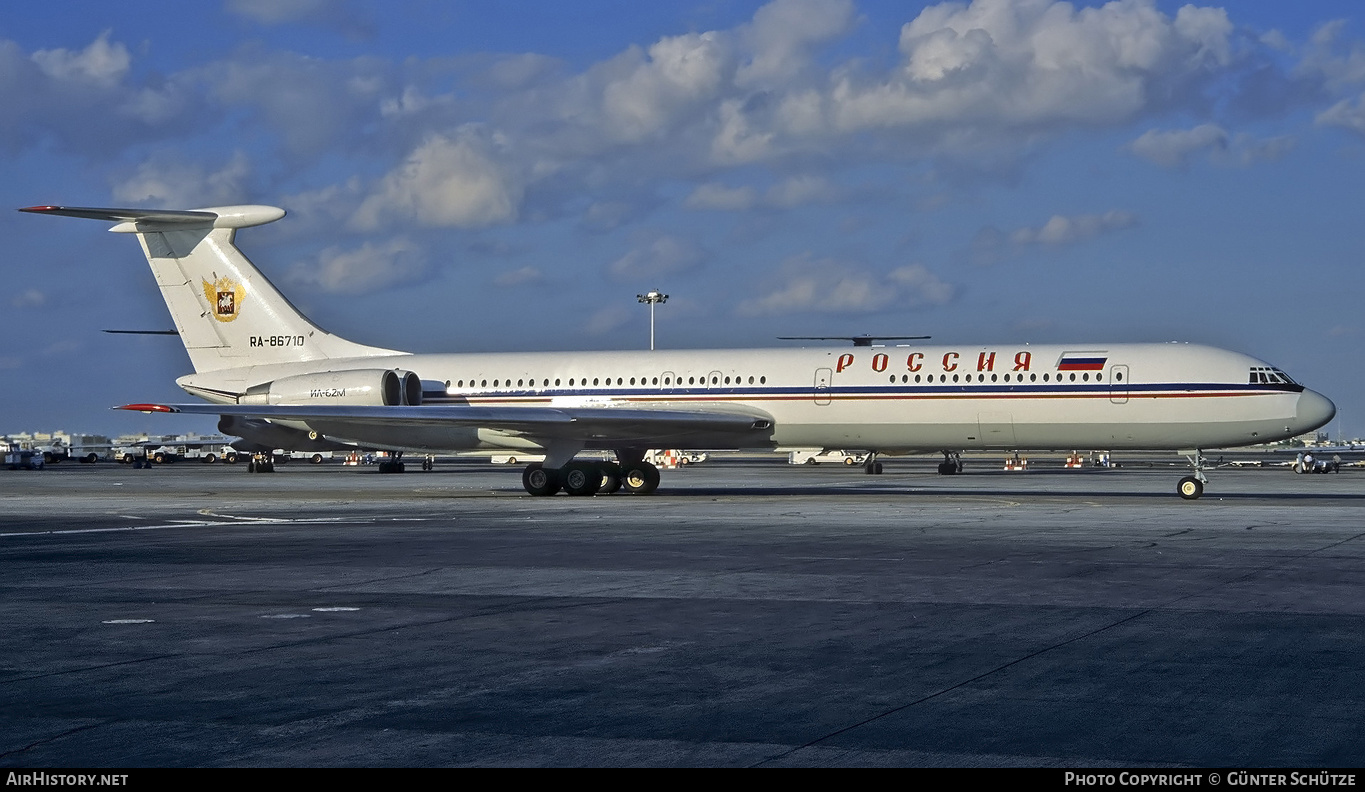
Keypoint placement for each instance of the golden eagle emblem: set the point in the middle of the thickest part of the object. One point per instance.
(225, 295)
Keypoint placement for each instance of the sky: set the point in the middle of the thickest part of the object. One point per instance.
(474, 176)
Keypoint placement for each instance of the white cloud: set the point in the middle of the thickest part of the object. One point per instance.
(799, 190)
(445, 182)
(607, 320)
(101, 63)
(1062, 230)
(663, 255)
(170, 181)
(717, 196)
(276, 12)
(922, 287)
(997, 65)
(790, 192)
(519, 277)
(781, 35)
(1172, 149)
(991, 245)
(805, 284)
(679, 73)
(370, 268)
(29, 298)
(1348, 114)
(1176, 148)
(1248, 150)
(339, 15)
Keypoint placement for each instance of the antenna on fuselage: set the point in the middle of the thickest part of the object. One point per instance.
(858, 340)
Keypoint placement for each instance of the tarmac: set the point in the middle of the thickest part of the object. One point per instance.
(749, 613)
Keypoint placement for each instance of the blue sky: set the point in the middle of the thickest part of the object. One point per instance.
(473, 176)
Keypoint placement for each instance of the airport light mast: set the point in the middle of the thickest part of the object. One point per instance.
(653, 298)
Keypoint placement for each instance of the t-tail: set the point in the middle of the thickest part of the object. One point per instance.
(228, 314)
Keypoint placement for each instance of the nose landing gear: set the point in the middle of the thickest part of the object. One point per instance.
(1191, 487)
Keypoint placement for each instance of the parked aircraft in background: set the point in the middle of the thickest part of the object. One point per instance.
(279, 380)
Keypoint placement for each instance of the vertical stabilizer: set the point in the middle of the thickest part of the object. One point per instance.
(228, 314)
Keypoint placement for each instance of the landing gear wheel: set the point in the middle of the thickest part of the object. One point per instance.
(1190, 488)
(611, 478)
(539, 480)
(640, 478)
(581, 478)
(873, 468)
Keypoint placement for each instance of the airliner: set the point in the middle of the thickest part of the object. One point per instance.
(278, 380)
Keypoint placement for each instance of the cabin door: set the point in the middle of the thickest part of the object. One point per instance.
(822, 378)
(1118, 384)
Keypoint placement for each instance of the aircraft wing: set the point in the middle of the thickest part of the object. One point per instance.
(591, 424)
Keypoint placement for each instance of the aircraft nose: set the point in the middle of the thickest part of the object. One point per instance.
(1314, 410)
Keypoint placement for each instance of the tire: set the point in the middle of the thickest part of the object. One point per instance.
(231, 459)
(581, 478)
(540, 480)
(316, 459)
(611, 478)
(91, 458)
(850, 461)
(160, 459)
(811, 461)
(1190, 488)
(209, 459)
(640, 478)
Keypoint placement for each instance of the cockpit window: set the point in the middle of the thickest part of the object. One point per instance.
(1265, 375)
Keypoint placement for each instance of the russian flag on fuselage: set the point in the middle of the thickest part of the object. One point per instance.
(1082, 361)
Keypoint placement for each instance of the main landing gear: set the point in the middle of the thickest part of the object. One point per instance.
(1191, 487)
(951, 464)
(261, 463)
(588, 477)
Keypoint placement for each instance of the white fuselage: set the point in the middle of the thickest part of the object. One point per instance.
(890, 399)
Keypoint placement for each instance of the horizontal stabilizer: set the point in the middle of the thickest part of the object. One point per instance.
(134, 220)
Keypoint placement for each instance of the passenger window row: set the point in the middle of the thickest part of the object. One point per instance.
(582, 382)
(1072, 377)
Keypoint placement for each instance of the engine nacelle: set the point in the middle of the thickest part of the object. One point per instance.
(366, 387)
